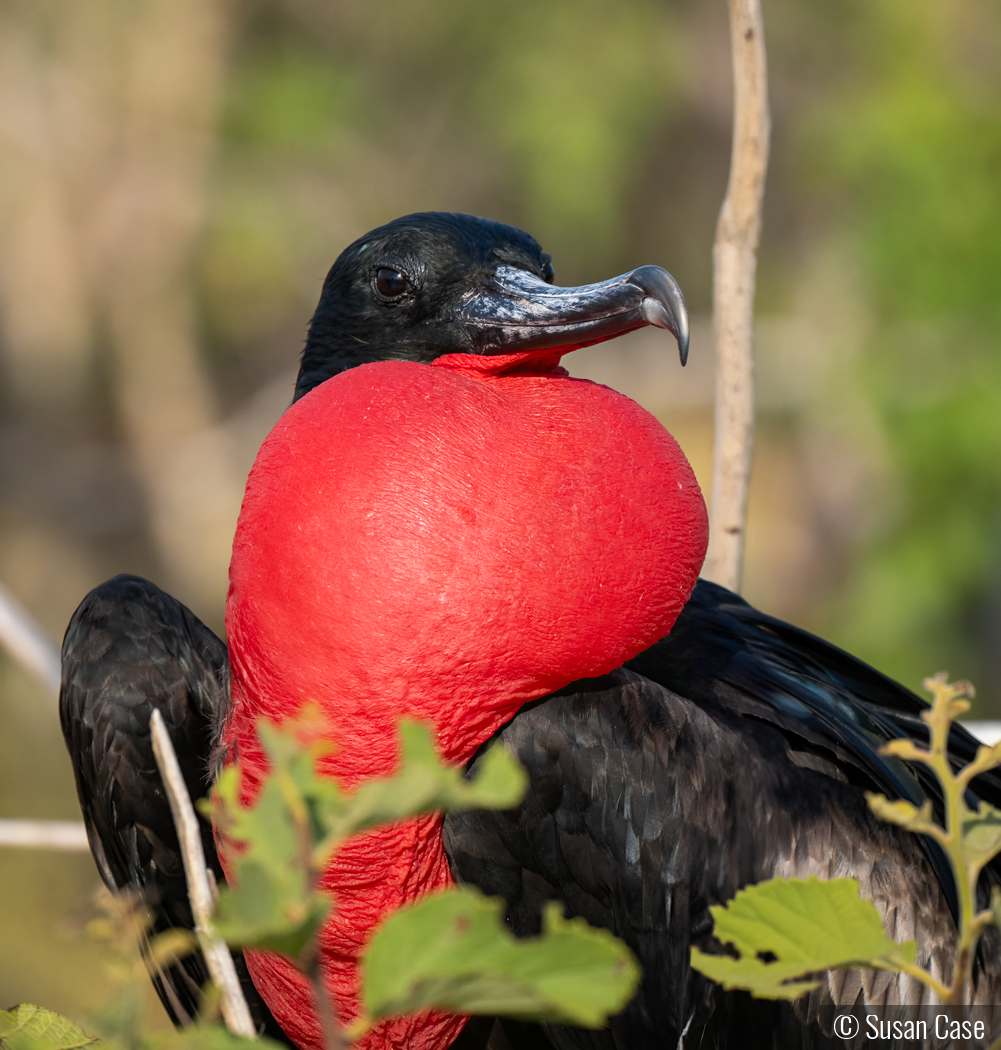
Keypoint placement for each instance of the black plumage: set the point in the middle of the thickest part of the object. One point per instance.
(741, 752)
(736, 748)
(131, 648)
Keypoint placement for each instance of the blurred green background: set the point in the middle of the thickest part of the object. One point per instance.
(177, 175)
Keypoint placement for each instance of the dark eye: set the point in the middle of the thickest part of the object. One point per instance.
(390, 283)
(547, 273)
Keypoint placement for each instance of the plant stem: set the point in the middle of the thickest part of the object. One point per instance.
(27, 642)
(333, 1035)
(952, 841)
(235, 1011)
(734, 265)
(943, 991)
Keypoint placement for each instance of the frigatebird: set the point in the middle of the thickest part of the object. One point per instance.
(444, 523)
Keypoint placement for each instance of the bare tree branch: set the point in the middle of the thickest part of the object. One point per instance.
(235, 1011)
(27, 642)
(70, 835)
(734, 265)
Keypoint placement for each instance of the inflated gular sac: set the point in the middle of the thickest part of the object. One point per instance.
(445, 541)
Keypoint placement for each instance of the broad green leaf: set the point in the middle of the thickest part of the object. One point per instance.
(28, 1027)
(807, 925)
(299, 818)
(763, 981)
(202, 1036)
(900, 812)
(269, 909)
(168, 947)
(293, 766)
(269, 903)
(424, 784)
(454, 952)
(982, 835)
(264, 828)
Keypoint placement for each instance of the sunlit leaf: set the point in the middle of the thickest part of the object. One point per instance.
(269, 902)
(900, 812)
(28, 1027)
(299, 818)
(807, 926)
(270, 909)
(168, 947)
(203, 1036)
(982, 835)
(453, 951)
(424, 783)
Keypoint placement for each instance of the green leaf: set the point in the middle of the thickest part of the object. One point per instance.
(808, 925)
(424, 784)
(900, 812)
(203, 1036)
(28, 1027)
(453, 952)
(982, 835)
(269, 909)
(271, 903)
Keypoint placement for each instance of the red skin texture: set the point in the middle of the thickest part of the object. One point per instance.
(445, 542)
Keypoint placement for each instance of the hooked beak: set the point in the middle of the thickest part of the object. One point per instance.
(518, 311)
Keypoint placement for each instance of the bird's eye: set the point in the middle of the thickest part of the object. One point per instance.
(390, 283)
(547, 273)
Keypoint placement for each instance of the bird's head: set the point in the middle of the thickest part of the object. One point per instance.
(436, 284)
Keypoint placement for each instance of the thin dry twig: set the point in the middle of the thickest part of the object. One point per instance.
(68, 835)
(235, 1011)
(27, 642)
(734, 265)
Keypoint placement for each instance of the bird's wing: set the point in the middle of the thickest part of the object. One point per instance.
(832, 708)
(645, 808)
(129, 648)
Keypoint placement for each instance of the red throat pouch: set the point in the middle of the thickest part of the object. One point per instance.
(446, 543)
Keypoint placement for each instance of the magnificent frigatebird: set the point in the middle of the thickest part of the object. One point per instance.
(445, 524)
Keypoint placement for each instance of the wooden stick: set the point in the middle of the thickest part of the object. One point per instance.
(27, 642)
(44, 834)
(235, 1011)
(734, 264)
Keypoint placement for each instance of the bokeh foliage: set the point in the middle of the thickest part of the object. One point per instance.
(915, 144)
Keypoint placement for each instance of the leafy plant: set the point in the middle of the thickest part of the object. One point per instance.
(807, 925)
(118, 1023)
(27, 1027)
(451, 951)
(804, 926)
